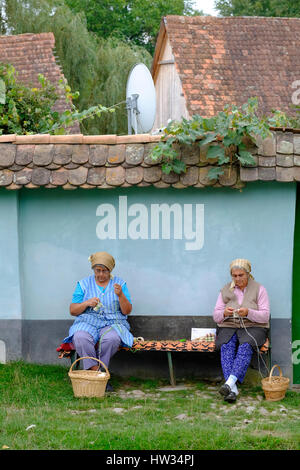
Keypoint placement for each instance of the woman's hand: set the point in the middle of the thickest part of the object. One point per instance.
(92, 302)
(118, 289)
(78, 309)
(243, 312)
(125, 305)
(228, 312)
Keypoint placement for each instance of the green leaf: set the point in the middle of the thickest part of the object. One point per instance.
(209, 138)
(245, 158)
(209, 124)
(214, 173)
(215, 151)
(223, 159)
(178, 166)
(185, 139)
(228, 140)
(156, 152)
(166, 168)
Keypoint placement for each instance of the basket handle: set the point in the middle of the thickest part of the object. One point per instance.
(89, 357)
(280, 372)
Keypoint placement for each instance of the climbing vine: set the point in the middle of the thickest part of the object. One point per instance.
(226, 136)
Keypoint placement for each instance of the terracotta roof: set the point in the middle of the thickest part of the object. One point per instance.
(227, 60)
(114, 161)
(32, 54)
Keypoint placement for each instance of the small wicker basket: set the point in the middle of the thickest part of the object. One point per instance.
(88, 383)
(275, 387)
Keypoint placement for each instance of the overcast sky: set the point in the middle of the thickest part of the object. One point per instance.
(207, 6)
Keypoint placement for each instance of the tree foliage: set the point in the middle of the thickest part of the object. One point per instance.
(136, 21)
(30, 110)
(96, 68)
(114, 62)
(96, 64)
(286, 8)
(24, 109)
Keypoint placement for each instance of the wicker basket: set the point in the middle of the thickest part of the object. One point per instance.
(88, 383)
(275, 387)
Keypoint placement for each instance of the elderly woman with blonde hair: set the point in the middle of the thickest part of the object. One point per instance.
(242, 315)
(100, 303)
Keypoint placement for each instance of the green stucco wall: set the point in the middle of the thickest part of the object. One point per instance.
(296, 295)
(10, 288)
(173, 267)
(59, 230)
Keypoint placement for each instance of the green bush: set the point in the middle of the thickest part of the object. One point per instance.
(30, 110)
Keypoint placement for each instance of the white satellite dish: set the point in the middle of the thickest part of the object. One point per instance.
(140, 100)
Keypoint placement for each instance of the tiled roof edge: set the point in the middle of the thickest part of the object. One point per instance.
(110, 161)
(97, 139)
(111, 139)
(208, 18)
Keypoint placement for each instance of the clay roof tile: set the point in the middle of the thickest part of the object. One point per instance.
(32, 54)
(240, 56)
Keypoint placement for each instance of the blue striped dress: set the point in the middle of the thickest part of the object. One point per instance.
(109, 314)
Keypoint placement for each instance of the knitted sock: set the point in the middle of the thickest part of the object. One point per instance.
(235, 389)
(231, 381)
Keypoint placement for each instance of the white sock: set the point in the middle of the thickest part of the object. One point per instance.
(231, 381)
(235, 389)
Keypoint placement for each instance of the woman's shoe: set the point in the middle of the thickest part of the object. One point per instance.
(225, 390)
(231, 397)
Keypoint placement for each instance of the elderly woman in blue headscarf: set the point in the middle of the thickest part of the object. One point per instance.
(100, 303)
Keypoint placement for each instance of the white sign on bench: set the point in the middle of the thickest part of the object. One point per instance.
(200, 334)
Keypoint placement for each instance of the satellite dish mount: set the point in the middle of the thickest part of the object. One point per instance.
(140, 100)
(132, 113)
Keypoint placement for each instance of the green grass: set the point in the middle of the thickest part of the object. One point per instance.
(43, 396)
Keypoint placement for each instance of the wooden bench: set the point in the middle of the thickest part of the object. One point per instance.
(167, 346)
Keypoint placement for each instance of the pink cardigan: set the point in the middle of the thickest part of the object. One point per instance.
(261, 315)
